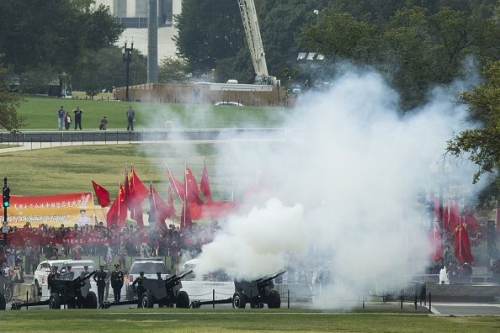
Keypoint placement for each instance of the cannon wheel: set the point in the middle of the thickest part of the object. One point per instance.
(147, 300)
(182, 300)
(8, 292)
(91, 300)
(54, 301)
(38, 288)
(3, 304)
(239, 300)
(274, 300)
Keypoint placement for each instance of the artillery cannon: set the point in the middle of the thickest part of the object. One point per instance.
(165, 292)
(74, 293)
(257, 292)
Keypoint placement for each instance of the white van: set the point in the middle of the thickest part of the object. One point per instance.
(205, 287)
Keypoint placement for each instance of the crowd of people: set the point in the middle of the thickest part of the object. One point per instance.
(64, 119)
(26, 247)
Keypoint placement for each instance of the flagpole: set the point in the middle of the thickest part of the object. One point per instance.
(186, 198)
(172, 177)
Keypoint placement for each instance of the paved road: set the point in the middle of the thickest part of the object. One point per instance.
(466, 309)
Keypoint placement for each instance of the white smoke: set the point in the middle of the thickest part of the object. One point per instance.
(342, 188)
(349, 174)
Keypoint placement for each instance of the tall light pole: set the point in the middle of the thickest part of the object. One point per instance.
(127, 57)
(317, 16)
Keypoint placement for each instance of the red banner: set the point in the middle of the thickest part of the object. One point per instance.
(52, 210)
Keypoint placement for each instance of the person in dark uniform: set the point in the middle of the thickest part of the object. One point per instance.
(138, 286)
(117, 282)
(67, 273)
(100, 280)
(54, 274)
(85, 271)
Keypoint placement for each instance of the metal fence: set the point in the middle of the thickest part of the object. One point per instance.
(104, 137)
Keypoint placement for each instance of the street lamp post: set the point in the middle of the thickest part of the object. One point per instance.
(127, 57)
(317, 16)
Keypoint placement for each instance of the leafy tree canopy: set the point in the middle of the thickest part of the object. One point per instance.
(9, 102)
(53, 33)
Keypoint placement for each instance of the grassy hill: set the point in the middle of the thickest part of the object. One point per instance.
(41, 111)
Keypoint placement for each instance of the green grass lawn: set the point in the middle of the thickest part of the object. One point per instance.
(41, 114)
(232, 320)
(69, 169)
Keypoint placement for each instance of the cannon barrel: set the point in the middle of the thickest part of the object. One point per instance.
(266, 279)
(175, 278)
(81, 278)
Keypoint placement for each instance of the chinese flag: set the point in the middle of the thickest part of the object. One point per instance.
(176, 185)
(186, 221)
(470, 220)
(158, 208)
(102, 195)
(437, 244)
(205, 184)
(118, 211)
(462, 246)
(454, 216)
(192, 192)
(126, 189)
(138, 190)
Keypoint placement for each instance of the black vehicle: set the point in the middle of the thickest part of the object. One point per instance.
(165, 292)
(257, 293)
(73, 293)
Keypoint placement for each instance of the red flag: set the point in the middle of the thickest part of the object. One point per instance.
(117, 213)
(186, 221)
(446, 215)
(136, 213)
(176, 185)
(205, 183)
(462, 246)
(437, 244)
(126, 189)
(454, 216)
(471, 223)
(158, 209)
(102, 195)
(191, 187)
(138, 191)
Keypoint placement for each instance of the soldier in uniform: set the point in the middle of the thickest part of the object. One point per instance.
(100, 279)
(140, 288)
(85, 271)
(52, 275)
(117, 282)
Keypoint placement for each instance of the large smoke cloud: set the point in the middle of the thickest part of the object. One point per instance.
(344, 184)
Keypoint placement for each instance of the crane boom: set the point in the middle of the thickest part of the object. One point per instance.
(254, 40)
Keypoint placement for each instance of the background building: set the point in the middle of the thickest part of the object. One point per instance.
(133, 14)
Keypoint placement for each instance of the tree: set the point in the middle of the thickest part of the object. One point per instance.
(173, 70)
(53, 33)
(209, 30)
(103, 69)
(482, 144)
(9, 102)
